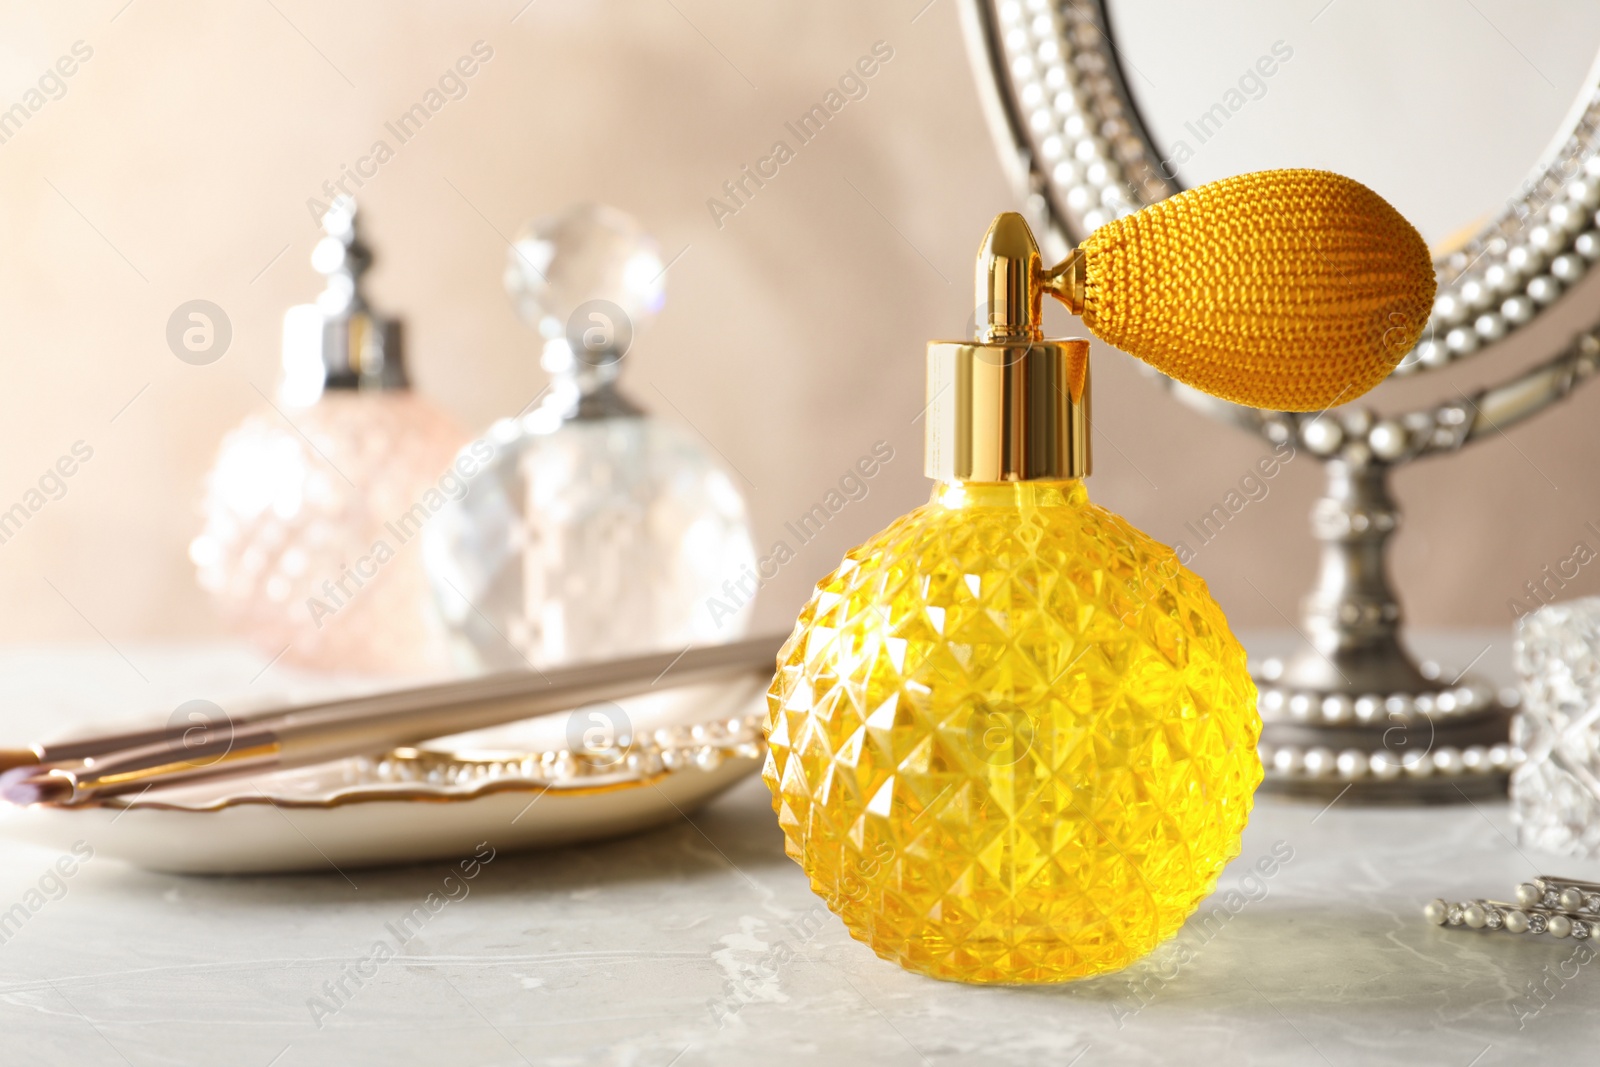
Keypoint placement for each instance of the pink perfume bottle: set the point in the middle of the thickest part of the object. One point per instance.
(315, 503)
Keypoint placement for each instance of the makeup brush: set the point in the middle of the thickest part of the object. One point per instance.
(87, 748)
(1292, 290)
(317, 733)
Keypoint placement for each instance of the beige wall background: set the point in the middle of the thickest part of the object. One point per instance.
(177, 165)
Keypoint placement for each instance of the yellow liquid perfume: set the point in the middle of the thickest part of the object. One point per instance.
(1011, 738)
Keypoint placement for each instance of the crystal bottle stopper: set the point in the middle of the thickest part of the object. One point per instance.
(588, 280)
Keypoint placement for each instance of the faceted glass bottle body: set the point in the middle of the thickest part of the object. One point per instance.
(306, 544)
(1011, 738)
(587, 539)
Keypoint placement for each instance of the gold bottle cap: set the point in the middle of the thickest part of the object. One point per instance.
(1011, 405)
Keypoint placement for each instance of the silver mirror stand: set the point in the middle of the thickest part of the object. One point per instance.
(1352, 711)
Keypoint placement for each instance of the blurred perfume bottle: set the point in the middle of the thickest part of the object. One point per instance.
(314, 500)
(595, 529)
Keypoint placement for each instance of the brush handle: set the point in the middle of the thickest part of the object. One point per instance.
(358, 726)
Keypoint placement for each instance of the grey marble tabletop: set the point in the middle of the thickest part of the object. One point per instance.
(701, 944)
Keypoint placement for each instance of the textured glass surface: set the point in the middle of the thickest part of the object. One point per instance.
(587, 254)
(295, 515)
(1555, 792)
(1011, 739)
(588, 539)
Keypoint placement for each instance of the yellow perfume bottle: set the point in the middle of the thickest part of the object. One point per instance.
(1011, 738)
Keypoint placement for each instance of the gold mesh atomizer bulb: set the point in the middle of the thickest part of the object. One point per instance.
(1293, 290)
(1011, 738)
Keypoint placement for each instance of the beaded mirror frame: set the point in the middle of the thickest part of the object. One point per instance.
(1352, 711)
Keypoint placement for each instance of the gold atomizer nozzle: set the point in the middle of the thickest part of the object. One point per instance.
(1010, 405)
(1007, 275)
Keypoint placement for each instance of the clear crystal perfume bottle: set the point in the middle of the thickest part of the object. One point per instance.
(314, 501)
(595, 529)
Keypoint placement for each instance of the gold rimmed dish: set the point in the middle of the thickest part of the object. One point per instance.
(532, 784)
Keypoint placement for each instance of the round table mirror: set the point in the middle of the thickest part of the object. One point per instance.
(1480, 122)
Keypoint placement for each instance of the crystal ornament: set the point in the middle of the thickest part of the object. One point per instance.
(595, 529)
(313, 504)
(1555, 792)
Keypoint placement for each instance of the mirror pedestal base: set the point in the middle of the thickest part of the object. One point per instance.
(1419, 760)
(1352, 713)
